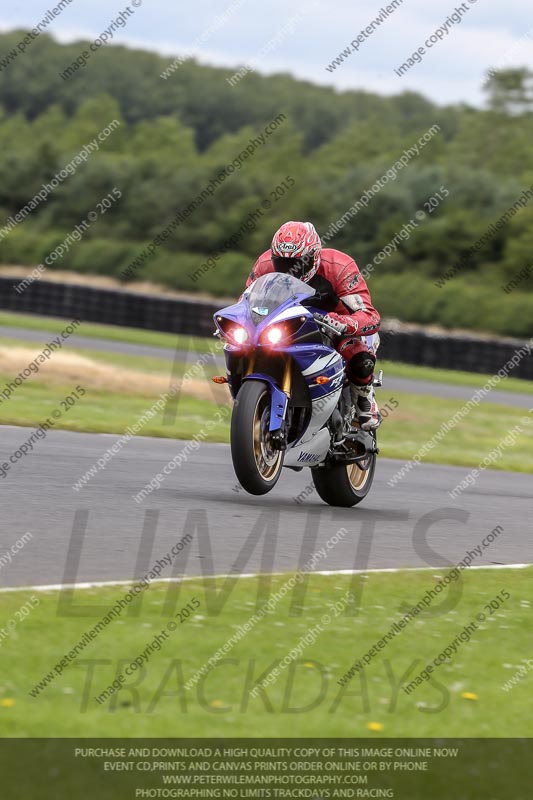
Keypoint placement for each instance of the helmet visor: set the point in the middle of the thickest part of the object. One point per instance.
(292, 266)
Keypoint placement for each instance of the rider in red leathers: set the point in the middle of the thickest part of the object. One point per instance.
(296, 249)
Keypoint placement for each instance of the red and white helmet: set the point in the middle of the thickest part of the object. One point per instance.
(296, 249)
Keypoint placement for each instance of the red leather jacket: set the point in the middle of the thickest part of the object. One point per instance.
(339, 278)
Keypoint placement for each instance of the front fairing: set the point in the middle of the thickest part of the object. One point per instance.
(280, 301)
(274, 291)
(271, 298)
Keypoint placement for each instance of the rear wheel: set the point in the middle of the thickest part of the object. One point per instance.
(256, 463)
(344, 484)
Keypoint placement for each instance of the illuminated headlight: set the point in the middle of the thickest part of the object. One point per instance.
(239, 334)
(274, 335)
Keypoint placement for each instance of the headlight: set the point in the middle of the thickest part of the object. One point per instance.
(231, 331)
(274, 334)
(239, 334)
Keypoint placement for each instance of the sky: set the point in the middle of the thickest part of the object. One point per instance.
(303, 37)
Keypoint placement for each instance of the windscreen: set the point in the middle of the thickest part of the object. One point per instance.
(270, 291)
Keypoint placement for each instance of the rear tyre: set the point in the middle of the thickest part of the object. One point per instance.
(256, 463)
(345, 484)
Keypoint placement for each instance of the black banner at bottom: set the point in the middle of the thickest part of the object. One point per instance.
(405, 769)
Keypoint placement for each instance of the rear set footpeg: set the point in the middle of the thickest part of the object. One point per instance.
(340, 453)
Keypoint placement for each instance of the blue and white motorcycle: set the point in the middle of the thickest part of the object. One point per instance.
(292, 400)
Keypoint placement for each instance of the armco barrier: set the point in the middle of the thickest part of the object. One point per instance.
(173, 315)
(109, 306)
(452, 351)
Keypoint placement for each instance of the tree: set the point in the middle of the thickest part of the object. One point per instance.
(510, 91)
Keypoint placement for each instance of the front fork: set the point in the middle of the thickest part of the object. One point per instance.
(279, 437)
(279, 411)
(286, 381)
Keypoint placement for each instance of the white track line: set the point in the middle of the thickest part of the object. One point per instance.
(55, 587)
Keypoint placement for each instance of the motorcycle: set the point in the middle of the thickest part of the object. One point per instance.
(292, 398)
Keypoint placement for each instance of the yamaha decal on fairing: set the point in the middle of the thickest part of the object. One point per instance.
(308, 457)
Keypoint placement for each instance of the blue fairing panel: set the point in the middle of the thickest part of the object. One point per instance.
(279, 400)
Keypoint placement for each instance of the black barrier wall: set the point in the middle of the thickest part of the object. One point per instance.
(109, 307)
(173, 315)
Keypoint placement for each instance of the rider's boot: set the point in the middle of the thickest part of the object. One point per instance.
(366, 408)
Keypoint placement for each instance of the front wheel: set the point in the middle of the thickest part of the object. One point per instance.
(256, 463)
(344, 484)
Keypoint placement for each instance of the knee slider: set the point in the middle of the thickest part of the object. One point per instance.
(361, 365)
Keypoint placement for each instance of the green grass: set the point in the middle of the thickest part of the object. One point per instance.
(405, 430)
(204, 344)
(152, 364)
(158, 704)
(418, 418)
(451, 376)
(53, 325)
(101, 411)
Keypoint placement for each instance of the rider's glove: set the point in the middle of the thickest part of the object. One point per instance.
(342, 324)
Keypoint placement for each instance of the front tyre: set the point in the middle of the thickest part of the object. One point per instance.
(345, 484)
(256, 463)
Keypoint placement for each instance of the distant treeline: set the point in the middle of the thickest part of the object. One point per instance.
(183, 180)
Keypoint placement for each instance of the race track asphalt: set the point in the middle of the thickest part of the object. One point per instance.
(414, 523)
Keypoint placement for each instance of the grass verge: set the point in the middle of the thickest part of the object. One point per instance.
(101, 411)
(452, 377)
(417, 419)
(464, 697)
(409, 426)
(202, 345)
(115, 333)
